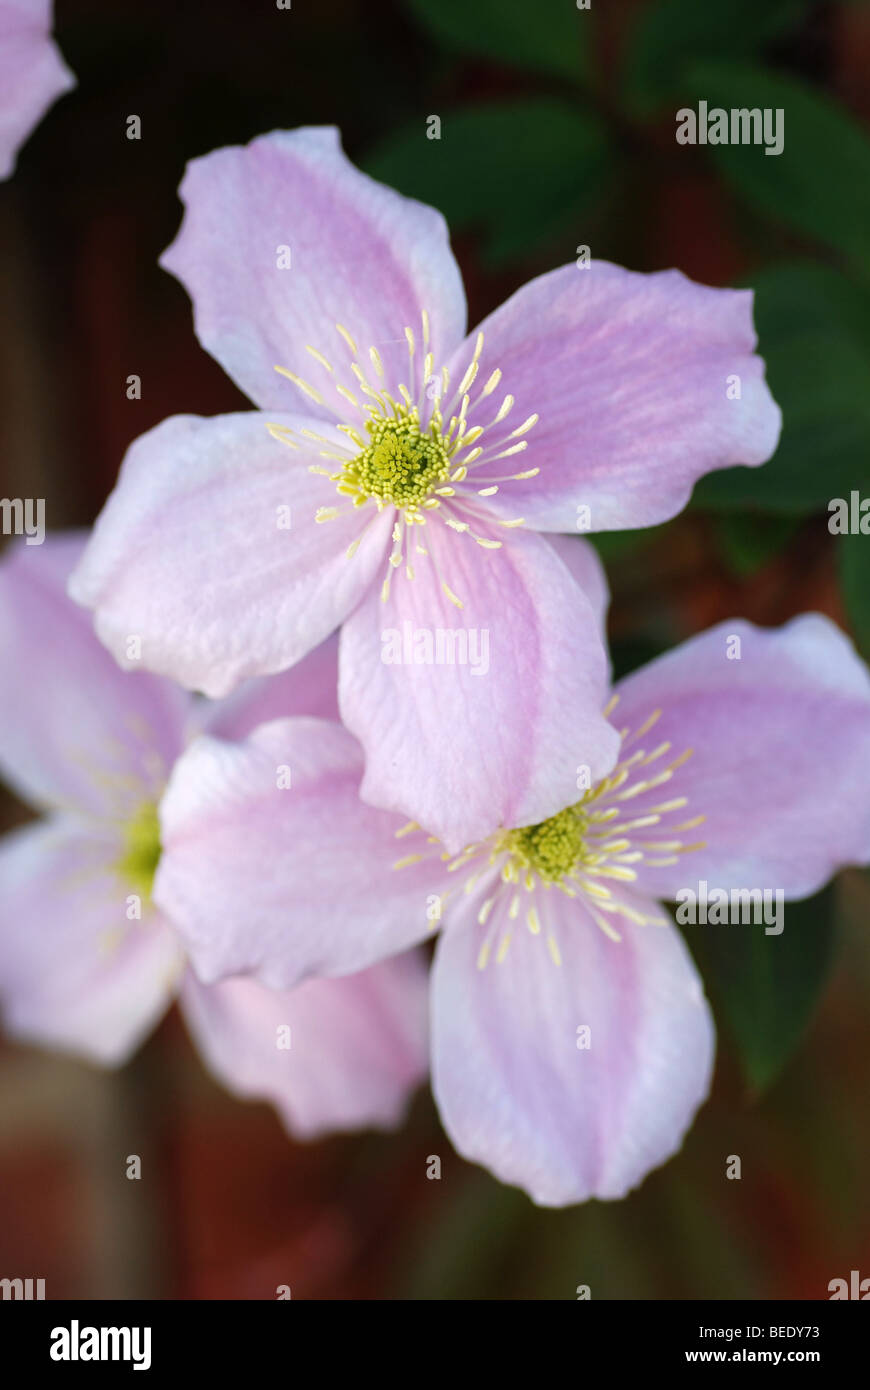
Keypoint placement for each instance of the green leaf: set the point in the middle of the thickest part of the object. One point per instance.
(469, 1242)
(854, 558)
(521, 172)
(766, 987)
(748, 542)
(819, 185)
(615, 545)
(814, 333)
(549, 35)
(673, 33)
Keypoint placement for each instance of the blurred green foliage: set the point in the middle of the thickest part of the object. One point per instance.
(855, 578)
(819, 185)
(765, 987)
(521, 172)
(548, 36)
(813, 325)
(670, 36)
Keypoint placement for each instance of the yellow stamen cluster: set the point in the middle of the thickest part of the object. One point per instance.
(550, 849)
(401, 465)
(141, 854)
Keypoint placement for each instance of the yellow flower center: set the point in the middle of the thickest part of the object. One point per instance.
(551, 849)
(141, 853)
(401, 465)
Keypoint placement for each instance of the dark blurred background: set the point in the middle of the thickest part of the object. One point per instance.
(558, 130)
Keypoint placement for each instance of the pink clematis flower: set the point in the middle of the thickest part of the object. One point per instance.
(422, 466)
(80, 969)
(32, 73)
(572, 1043)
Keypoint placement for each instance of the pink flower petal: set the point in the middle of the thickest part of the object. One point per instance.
(517, 1091)
(584, 562)
(497, 740)
(285, 882)
(359, 255)
(75, 973)
(629, 374)
(32, 73)
(329, 1055)
(191, 555)
(309, 687)
(75, 730)
(781, 740)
